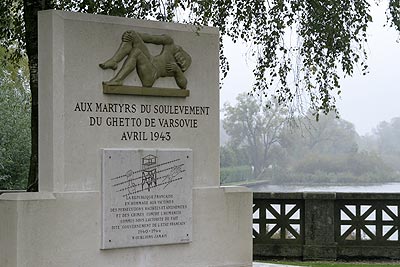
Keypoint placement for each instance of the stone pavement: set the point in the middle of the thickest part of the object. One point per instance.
(259, 264)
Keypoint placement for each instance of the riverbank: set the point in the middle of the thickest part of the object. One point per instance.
(356, 188)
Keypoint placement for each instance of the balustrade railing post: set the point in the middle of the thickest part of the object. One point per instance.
(319, 232)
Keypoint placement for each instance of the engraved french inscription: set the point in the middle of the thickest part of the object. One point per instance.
(146, 197)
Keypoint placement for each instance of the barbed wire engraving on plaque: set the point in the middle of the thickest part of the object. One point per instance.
(152, 175)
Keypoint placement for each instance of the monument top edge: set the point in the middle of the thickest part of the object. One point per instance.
(68, 15)
(148, 149)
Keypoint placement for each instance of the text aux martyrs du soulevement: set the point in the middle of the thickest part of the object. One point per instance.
(142, 122)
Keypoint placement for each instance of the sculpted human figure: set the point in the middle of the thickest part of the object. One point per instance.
(173, 61)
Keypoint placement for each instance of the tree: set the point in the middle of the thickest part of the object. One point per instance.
(231, 155)
(329, 37)
(317, 145)
(19, 33)
(387, 138)
(254, 127)
(14, 124)
(327, 151)
(329, 135)
(389, 135)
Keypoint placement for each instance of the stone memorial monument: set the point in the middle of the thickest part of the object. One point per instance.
(128, 152)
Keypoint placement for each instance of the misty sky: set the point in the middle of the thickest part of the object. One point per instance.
(366, 100)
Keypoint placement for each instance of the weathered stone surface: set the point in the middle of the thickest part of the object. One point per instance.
(319, 252)
(324, 236)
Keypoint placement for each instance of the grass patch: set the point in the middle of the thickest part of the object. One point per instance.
(339, 264)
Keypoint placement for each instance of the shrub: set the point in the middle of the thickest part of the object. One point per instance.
(235, 174)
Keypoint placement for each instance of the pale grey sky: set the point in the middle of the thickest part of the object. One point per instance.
(366, 100)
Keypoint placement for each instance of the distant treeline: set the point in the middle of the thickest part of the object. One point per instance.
(269, 144)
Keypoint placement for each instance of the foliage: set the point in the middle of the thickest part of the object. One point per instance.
(235, 174)
(385, 142)
(311, 41)
(309, 151)
(329, 135)
(327, 151)
(14, 125)
(357, 167)
(393, 14)
(233, 156)
(357, 164)
(388, 134)
(12, 29)
(254, 128)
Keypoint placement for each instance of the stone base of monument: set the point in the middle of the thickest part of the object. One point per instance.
(126, 179)
(63, 229)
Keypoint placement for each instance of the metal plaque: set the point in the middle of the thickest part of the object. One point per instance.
(146, 197)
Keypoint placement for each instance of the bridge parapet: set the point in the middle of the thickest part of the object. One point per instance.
(326, 226)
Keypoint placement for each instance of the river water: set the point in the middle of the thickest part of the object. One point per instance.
(359, 188)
